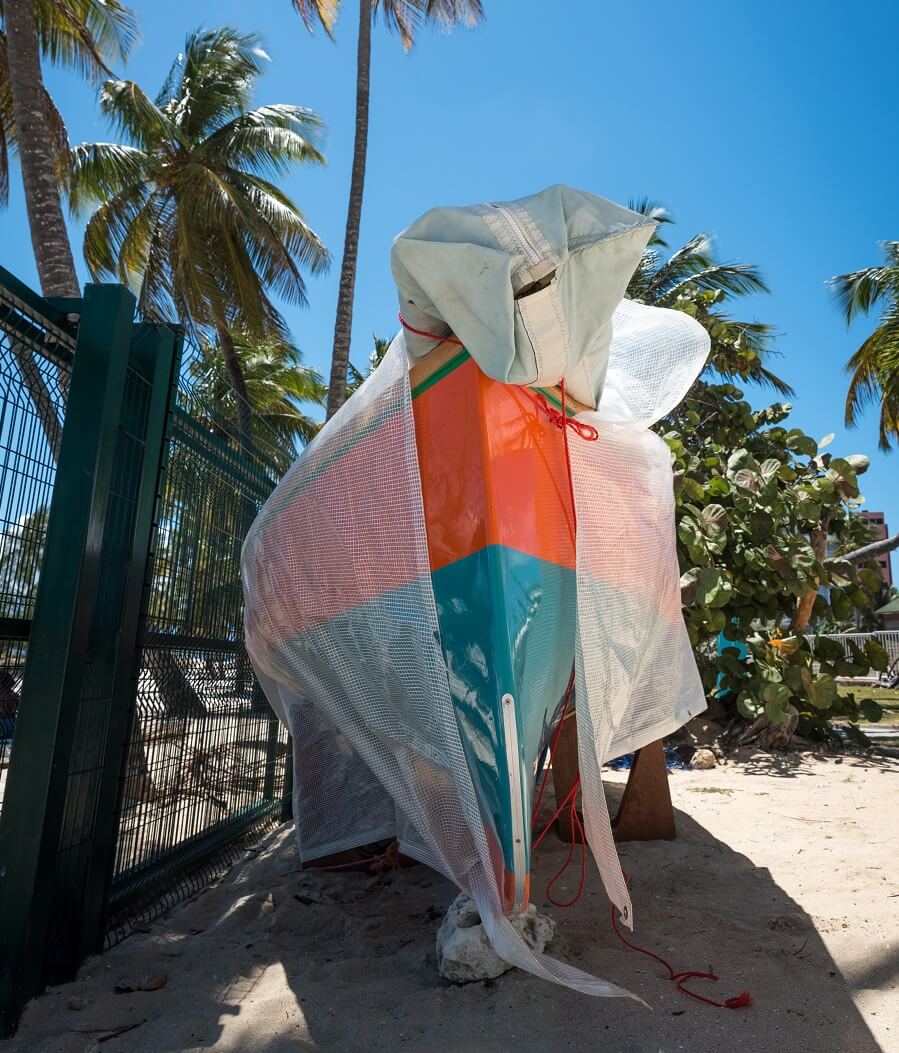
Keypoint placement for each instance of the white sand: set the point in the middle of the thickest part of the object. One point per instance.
(787, 883)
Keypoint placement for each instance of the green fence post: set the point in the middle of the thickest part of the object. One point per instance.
(32, 816)
(155, 355)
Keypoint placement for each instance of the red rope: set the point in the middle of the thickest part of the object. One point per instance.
(575, 826)
(740, 1001)
(584, 430)
(562, 420)
(588, 432)
(432, 336)
(553, 744)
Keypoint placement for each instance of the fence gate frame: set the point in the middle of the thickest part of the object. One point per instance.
(39, 795)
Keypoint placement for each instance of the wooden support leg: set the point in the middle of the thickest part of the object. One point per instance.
(645, 812)
(565, 766)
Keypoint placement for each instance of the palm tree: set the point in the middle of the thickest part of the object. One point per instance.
(690, 279)
(188, 214)
(404, 16)
(875, 365)
(21, 556)
(278, 384)
(81, 34)
(356, 378)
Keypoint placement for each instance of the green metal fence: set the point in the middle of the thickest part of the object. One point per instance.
(137, 750)
(36, 348)
(207, 759)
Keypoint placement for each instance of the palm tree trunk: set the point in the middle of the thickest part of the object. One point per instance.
(239, 384)
(343, 323)
(37, 154)
(40, 396)
(39, 161)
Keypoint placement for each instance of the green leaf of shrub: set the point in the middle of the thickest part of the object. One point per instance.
(871, 579)
(870, 710)
(776, 713)
(713, 588)
(877, 656)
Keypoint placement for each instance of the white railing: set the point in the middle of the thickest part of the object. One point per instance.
(888, 640)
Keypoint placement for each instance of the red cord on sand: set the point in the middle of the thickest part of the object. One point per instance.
(740, 1001)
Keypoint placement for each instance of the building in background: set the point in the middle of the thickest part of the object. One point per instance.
(880, 531)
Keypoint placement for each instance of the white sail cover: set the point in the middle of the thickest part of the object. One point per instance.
(341, 622)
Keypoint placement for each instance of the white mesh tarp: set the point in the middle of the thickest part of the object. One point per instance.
(342, 627)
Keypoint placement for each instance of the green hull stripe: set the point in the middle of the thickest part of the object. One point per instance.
(463, 356)
(438, 374)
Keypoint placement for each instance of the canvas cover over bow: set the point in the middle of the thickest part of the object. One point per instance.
(414, 638)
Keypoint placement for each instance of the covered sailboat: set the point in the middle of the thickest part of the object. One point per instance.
(425, 578)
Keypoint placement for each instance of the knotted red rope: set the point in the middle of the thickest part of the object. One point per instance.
(561, 420)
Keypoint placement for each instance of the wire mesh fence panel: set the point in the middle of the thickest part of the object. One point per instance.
(206, 756)
(35, 364)
(89, 755)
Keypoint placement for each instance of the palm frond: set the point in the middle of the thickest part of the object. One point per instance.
(267, 140)
(762, 375)
(108, 227)
(219, 70)
(873, 367)
(99, 171)
(278, 386)
(694, 255)
(86, 35)
(645, 206)
(318, 12)
(134, 114)
(734, 279)
(857, 292)
(450, 13)
(401, 16)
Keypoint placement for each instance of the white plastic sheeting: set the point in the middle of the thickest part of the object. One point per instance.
(342, 628)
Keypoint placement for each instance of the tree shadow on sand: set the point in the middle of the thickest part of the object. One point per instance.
(793, 765)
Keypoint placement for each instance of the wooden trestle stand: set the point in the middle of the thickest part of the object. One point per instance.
(645, 812)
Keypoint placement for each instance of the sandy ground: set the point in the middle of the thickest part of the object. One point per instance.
(784, 878)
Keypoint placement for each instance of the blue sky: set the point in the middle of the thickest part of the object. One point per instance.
(771, 125)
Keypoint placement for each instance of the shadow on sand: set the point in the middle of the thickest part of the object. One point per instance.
(275, 960)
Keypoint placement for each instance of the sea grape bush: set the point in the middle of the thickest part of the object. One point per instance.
(758, 504)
